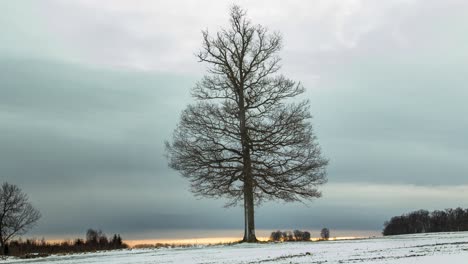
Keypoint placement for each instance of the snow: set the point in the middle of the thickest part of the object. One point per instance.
(420, 248)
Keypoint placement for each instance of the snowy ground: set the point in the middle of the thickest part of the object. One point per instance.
(422, 248)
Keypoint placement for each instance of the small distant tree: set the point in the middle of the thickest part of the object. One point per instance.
(325, 234)
(103, 241)
(17, 215)
(458, 218)
(306, 236)
(119, 240)
(298, 235)
(276, 236)
(78, 242)
(91, 237)
(439, 221)
(116, 241)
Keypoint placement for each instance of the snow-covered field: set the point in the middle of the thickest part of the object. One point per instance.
(422, 248)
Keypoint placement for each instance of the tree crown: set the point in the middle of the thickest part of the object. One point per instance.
(243, 104)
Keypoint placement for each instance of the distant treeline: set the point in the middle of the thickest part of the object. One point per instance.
(95, 240)
(296, 235)
(423, 221)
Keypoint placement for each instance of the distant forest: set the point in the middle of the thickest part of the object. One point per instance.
(423, 221)
(95, 240)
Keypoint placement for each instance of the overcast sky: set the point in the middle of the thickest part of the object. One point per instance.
(89, 91)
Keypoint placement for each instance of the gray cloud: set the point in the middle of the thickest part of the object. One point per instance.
(86, 105)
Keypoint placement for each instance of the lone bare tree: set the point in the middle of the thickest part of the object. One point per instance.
(244, 139)
(17, 215)
(325, 233)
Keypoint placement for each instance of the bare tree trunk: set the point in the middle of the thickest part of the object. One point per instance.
(246, 220)
(249, 214)
(249, 211)
(249, 235)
